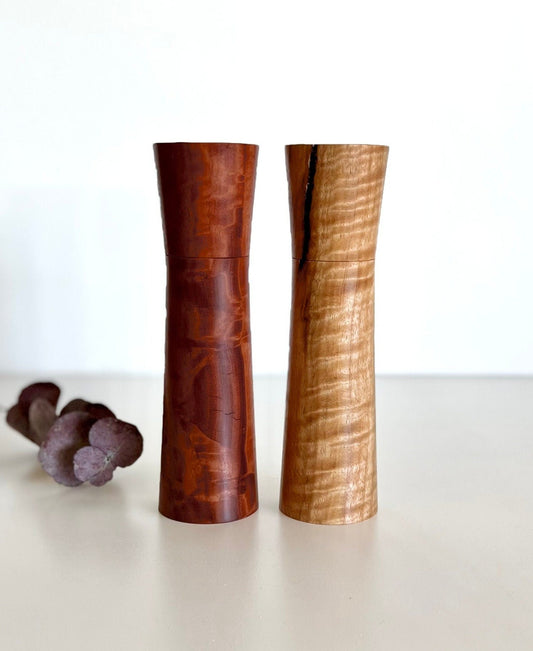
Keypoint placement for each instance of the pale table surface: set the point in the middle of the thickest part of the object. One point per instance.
(446, 564)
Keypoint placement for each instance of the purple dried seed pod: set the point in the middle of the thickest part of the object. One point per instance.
(66, 436)
(16, 419)
(78, 404)
(17, 416)
(41, 417)
(93, 465)
(96, 409)
(122, 442)
(47, 390)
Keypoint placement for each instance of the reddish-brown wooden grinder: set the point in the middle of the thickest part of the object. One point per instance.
(208, 468)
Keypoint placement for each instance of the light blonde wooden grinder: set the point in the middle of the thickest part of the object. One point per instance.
(329, 457)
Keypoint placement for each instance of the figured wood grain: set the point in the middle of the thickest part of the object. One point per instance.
(329, 457)
(344, 200)
(208, 467)
(206, 192)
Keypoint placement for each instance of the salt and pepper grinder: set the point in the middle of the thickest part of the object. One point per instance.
(208, 467)
(329, 457)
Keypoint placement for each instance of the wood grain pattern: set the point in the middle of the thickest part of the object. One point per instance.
(329, 458)
(206, 192)
(208, 467)
(342, 219)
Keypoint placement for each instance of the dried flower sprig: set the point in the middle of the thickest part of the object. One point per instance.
(86, 442)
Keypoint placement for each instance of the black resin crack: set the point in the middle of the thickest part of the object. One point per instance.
(307, 205)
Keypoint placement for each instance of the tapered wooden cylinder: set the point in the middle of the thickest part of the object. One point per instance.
(329, 458)
(208, 468)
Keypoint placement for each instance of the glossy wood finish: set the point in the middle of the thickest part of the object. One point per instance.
(329, 459)
(208, 468)
(206, 192)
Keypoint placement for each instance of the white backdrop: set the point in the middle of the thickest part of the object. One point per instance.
(87, 87)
